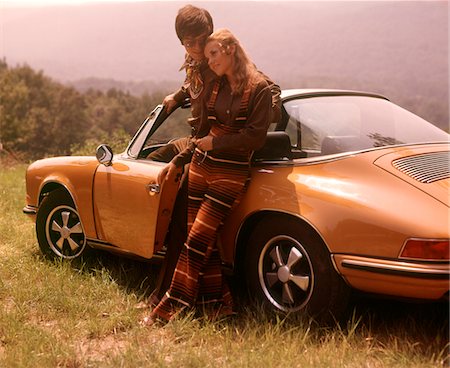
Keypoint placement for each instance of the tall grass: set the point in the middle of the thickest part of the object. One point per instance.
(84, 314)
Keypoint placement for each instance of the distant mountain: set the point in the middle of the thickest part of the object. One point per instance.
(397, 48)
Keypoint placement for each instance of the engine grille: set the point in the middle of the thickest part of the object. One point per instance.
(426, 168)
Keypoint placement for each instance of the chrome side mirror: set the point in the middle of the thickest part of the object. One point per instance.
(104, 154)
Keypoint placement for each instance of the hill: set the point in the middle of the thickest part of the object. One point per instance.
(396, 48)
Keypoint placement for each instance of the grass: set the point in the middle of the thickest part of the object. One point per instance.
(84, 314)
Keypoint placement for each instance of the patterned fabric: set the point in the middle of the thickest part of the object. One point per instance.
(216, 183)
(193, 83)
(218, 129)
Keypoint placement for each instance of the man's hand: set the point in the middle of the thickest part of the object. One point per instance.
(168, 173)
(169, 102)
(205, 143)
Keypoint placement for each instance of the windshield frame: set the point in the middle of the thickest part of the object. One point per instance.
(145, 129)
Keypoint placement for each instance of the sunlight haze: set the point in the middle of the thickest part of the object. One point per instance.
(396, 48)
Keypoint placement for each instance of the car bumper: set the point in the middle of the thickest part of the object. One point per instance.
(422, 280)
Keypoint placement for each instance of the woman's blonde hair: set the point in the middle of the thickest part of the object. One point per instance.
(244, 69)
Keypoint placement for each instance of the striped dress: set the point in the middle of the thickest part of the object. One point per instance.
(216, 182)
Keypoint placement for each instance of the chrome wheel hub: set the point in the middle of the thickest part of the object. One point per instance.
(285, 273)
(64, 232)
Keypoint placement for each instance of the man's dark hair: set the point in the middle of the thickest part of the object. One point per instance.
(192, 22)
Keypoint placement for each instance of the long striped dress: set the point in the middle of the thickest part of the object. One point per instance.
(216, 182)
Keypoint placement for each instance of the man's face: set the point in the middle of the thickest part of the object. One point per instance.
(195, 46)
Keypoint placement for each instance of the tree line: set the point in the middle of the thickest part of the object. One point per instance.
(40, 117)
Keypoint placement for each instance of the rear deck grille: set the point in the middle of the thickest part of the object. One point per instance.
(426, 168)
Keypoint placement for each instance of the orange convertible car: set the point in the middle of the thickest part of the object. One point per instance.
(350, 191)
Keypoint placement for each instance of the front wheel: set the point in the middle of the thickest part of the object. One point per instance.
(289, 269)
(58, 227)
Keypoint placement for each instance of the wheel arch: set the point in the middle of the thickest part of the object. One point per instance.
(51, 186)
(326, 291)
(58, 206)
(250, 223)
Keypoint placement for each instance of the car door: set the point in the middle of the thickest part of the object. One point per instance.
(132, 210)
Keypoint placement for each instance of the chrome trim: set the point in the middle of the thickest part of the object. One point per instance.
(421, 259)
(403, 269)
(111, 248)
(65, 232)
(153, 188)
(282, 272)
(278, 163)
(68, 191)
(98, 242)
(141, 128)
(425, 168)
(339, 156)
(290, 94)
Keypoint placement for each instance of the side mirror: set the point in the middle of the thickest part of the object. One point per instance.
(104, 154)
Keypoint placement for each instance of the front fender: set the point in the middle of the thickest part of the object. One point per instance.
(74, 174)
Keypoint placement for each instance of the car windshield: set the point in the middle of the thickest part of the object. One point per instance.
(336, 124)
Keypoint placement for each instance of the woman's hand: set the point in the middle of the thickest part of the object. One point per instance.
(205, 143)
(168, 173)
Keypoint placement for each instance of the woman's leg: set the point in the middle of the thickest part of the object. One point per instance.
(199, 263)
(183, 287)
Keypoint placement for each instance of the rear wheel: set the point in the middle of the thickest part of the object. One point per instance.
(289, 269)
(58, 227)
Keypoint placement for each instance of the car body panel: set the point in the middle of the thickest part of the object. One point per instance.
(390, 277)
(73, 173)
(336, 197)
(122, 188)
(438, 189)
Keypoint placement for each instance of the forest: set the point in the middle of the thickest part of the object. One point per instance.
(40, 117)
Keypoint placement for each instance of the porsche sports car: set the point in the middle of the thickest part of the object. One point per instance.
(349, 191)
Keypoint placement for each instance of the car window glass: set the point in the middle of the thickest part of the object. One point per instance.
(175, 126)
(292, 129)
(142, 133)
(322, 119)
(336, 124)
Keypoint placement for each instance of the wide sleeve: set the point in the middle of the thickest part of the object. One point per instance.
(180, 95)
(253, 135)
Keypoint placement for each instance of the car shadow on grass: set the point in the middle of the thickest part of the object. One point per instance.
(422, 324)
(131, 275)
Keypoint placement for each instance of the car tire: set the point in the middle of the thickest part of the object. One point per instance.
(58, 227)
(289, 270)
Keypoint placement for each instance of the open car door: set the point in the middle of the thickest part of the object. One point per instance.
(132, 210)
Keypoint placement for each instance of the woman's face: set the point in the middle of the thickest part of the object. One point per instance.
(219, 60)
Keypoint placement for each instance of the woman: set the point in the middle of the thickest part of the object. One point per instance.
(237, 114)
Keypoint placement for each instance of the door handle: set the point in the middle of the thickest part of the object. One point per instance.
(154, 188)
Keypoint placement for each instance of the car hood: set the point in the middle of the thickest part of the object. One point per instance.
(425, 167)
(65, 160)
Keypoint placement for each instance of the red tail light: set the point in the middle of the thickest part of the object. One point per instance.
(426, 249)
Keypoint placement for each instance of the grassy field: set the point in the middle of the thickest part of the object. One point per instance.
(86, 315)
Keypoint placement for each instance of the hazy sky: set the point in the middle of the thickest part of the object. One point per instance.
(74, 2)
(398, 48)
(61, 2)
